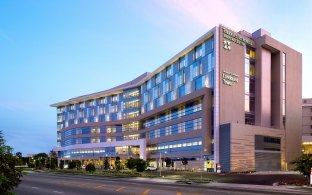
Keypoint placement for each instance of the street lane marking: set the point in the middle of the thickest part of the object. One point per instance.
(178, 193)
(120, 189)
(83, 184)
(35, 187)
(58, 192)
(66, 182)
(100, 186)
(146, 192)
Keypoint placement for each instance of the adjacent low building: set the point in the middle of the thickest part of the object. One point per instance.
(307, 125)
(229, 100)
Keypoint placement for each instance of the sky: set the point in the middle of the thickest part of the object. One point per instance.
(51, 51)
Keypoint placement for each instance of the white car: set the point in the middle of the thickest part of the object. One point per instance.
(150, 168)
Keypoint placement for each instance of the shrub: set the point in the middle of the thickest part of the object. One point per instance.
(118, 164)
(131, 163)
(90, 168)
(71, 164)
(303, 164)
(53, 165)
(106, 164)
(141, 165)
(62, 164)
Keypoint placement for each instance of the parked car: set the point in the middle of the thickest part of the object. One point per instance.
(151, 168)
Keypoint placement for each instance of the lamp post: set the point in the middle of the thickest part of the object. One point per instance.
(160, 163)
(160, 166)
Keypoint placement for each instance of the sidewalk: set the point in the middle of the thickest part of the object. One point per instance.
(267, 188)
(231, 186)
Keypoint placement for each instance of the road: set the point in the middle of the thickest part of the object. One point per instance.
(51, 184)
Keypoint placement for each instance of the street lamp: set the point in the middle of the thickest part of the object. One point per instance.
(160, 166)
(159, 163)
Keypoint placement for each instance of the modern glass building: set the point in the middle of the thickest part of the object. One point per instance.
(230, 100)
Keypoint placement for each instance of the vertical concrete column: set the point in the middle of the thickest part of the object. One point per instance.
(216, 118)
(143, 149)
(265, 98)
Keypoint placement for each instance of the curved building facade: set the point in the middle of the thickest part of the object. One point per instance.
(222, 102)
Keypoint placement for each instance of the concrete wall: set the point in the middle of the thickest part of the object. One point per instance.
(241, 139)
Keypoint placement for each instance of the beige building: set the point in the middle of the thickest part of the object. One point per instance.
(307, 126)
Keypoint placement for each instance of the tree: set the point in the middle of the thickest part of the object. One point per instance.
(106, 164)
(78, 164)
(168, 162)
(53, 159)
(118, 164)
(40, 160)
(62, 164)
(141, 165)
(18, 154)
(131, 163)
(71, 164)
(9, 174)
(90, 168)
(303, 164)
(184, 162)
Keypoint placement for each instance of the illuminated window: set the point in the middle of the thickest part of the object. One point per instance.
(134, 126)
(72, 107)
(72, 115)
(103, 100)
(169, 71)
(81, 105)
(131, 94)
(95, 130)
(131, 137)
(110, 129)
(131, 114)
(180, 78)
(158, 78)
(95, 140)
(81, 114)
(113, 108)
(114, 98)
(155, 92)
(166, 86)
(198, 51)
(92, 103)
(60, 109)
(252, 54)
(102, 110)
(182, 63)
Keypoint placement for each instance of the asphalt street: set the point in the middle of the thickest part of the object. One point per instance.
(44, 183)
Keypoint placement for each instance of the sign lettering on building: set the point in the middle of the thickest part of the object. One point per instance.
(231, 36)
(229, 78)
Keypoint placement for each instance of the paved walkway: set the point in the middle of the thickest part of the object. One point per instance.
(248, 187)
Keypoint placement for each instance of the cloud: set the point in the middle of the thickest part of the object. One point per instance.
(208, 12)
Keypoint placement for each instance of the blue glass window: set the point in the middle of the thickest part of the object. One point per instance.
(199, 83)
(182, 90)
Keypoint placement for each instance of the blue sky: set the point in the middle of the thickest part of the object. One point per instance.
(51, 51)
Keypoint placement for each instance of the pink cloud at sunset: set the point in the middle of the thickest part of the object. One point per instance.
(207, 12)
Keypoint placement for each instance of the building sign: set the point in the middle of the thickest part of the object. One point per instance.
(234, 37)
(227, 45)
(229, 78)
